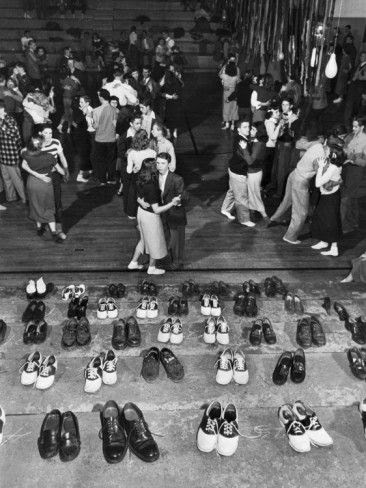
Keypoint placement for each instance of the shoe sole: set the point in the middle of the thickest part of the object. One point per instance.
(163, 337)
(141, 315)
(176, 340)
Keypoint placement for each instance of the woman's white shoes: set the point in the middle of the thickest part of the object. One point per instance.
(320, 245)
(134, 265)
(155, 271)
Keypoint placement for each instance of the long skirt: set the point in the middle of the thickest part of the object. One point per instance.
(229, 109)
(326, 225)
(152, 234)
(41, 200)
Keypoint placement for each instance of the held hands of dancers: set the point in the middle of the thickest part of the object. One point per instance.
(176, 201)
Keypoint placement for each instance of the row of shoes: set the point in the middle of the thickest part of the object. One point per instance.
(190, 288)
(126, 333)
(107, 309)
(101, 368)
(76, 333)
(293, 304)
(251, 287)
(147, 287)
(38, 289)
(357, 362)
(302, 427)
(290, 362)
(178, 306)
(218, 288)
(3, 330)
(117, 290)
(59, 435)
(216, 330)
(210, 305)
(77, 307)
(262, 328)
(35, 327)
(152, 359)
(147, 308)
(34, 311)
(73, 291)
(39, 371)
(219, 429)
(274, 286)
(123, 429)
(310, 332)
(232, 365)
(171, 331)
(245, 305)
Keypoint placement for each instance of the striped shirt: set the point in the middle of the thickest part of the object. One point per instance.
(54, 148)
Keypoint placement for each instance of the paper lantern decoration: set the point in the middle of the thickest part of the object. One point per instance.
(313, 57)
(281, 56)
(331, 68)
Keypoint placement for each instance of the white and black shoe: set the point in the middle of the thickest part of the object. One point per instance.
(209, 428)
(68, 292)
(93, 375)
(228, 436)
(47, 371)
(224, 364)
(240, 368)
(295, 431)
(153, 309)
(102, 312)
(222, 331)
(215, 306)
(109, 368)
(317, 434)
(31, 289)
(112, 310)
(176, 332)
(164, 331)
(141, 310)
(2, 423)
(206, 304)
(209, 335)
(30, 370)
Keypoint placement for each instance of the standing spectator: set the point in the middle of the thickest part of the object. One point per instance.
(345, 68)
(242, 95)
(42, 61)
(71, 89)
(172, 91)
(351, 49)
(133, 50)
(230, 76)
(259, 138)
(147, 49)
(355, 149)
(10, 146)
(147, 114)
(13, 101)
(292, 89)
(162, 145)
(150, 86)
(356, 90)
(160, 60)
(32, 65)
(105, 118)
(20, 78)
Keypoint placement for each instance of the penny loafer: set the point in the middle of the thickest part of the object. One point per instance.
(317, 332)
(119, 335)
(183, 306)
(40, 311)
(269, 287)
(341, 311)
(255, 335)
(83, 336)
(29, 312)
(3, 329)
(357, 363)
(41, 332)
(282, 368)
(172, 365)
(29, 333)
(69, 333)
(150, 365)
(298, 370)
(133, 333)
(49, 437)
(303, 333)
(69, 437)
(173, 307)
(140, 440)
(240, 304)
(268, 332)
(112, 433)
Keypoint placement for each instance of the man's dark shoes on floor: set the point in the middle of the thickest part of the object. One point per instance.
(357, 329)
(298, 370)
(150, 364)
(269, 287)
(303, 332)
(119, 340)
(317, 332)
(327, 305)
(282, 368)
(81, 308)
(251, 309)
(255, 335)
(3, 329)
(341, 311)
(133, 333)
(357, 363)
(112, 290)
(29, 333)
(173, 307)
(39, 312)
(240, 304)
(280, 287)
(254, 288)
(268, 332)
(299, 306)
(69, 333)
(29, 312)
(289, 303)
(121, 290)
(174, 369)
(140, 440)
(41, 332)
(73, 306)
(83, 336)
(49, 437)
(112, 434)
(69, 437)
(183, 306)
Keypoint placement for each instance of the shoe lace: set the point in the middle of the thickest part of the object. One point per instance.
(177, 328)
(211, 425)
(29, 366)
(239, 363)
(110, 365)
(314, 423)
(224, 362)
(110, 428)
(229, 428)
(91, 373)
(165, 328)
(45, 370)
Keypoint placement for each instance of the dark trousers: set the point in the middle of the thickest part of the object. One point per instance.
(104, 160)
(267, 165)
(175, 239)
(83, 144)
(353, 101)
(56, 182)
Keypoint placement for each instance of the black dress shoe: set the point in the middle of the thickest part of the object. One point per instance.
(81, 308)
(183, 306)
(150, 365)
(73, 307)
(303, 333)
(40, 311)
(341, 311)
(224, 289)
(41, 332)
(29, 312)
(152, 289)
(69, 437)
(133, 333)
(112, 433)
(269, 287)
(251, 309)
(255, 336)
(280, 287)
(140, 440)
(172, 365)
(194, 287)
(289, 303)
(356, 363)
(121, 290)
(268, 332)
(240, 304)
(282, 368)
(112, 290)
(326, 305)
(29, 333)
(173, 307)
(3, 329)
(186, 289)
(298, 370)
(49, 437)
(298, 304)
(83, 335)
(69, 333)
(254, 288)
(317, 332)
(357, 330)
(119, 335)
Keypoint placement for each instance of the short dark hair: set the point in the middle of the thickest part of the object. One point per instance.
(146, 101)
(288, 99)
(164, 155)
(103, 93)
(86, 98)
(134, 116)
(360, 120)
(242, 120)
(140, 140)
(161, 127)
(147, 67)
(117, 72)
(45, 126)
(348, 26)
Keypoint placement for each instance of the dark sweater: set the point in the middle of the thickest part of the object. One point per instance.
(240, 159)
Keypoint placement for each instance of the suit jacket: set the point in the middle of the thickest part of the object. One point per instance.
(174, 186)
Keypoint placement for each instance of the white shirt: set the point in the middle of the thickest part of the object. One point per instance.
(124, 92)
(162, 180)
(147, 121)
(332, 173)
